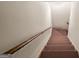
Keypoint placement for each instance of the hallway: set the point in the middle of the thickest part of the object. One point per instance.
(59, 46)
(26, 28)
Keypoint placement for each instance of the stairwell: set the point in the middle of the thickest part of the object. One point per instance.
(59, 46)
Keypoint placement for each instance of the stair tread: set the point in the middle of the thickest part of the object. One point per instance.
(59, 54)
(58, 44)
(59, 48)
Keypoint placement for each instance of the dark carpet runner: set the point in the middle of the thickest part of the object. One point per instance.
(59, 46)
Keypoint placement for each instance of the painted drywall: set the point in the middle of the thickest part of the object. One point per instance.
(34, 49)
(60, 14)
(21, 20)
(74, 25)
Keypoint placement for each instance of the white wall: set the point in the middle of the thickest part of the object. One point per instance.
(74, 25)
(21, 20)
(60, 14)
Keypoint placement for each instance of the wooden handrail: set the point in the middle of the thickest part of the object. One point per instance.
(21, 45)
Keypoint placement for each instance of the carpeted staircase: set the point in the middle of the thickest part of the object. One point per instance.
(59, 46)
